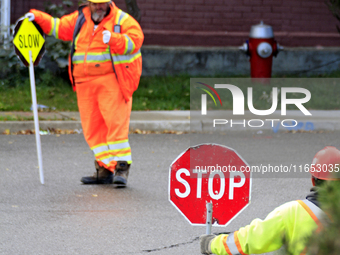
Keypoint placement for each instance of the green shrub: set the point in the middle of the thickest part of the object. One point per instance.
(334, 7)
(328, 241)
(55, 59)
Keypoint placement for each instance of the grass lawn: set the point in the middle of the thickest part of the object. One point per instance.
(154, 93)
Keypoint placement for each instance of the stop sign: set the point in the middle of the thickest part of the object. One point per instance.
(210, 173)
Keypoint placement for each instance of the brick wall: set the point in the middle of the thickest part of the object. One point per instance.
(227, 22)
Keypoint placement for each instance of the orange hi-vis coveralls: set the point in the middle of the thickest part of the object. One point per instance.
(103, 75)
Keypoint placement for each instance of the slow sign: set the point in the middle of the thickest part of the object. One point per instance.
(28, 36)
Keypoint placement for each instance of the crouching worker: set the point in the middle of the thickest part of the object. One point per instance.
(105, 66)
(290, 224)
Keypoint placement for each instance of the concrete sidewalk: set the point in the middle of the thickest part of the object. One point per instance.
(176, 121)
(143, 120)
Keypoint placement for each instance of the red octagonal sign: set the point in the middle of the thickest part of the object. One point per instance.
(210, 173)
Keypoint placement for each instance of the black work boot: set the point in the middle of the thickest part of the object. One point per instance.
(101, 176)
(121, 174)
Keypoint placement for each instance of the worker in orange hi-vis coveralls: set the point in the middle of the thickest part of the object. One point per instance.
(105, 68)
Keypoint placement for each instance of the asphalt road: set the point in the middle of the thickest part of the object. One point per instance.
(65, 217)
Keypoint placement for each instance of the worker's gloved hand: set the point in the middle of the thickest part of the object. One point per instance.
(205, 243)
(30, 16)
(106, 36)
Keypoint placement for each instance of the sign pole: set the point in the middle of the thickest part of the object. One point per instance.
(209, 218)
(36, 118)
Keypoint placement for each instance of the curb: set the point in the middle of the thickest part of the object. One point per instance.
(148, 120)
(180, 121)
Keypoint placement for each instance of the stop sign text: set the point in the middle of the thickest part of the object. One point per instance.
(233, 183)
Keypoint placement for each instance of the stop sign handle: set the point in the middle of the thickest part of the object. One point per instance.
(209, 218)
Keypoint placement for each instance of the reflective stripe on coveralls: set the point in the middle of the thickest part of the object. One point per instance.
(314, 211)
(121, 17)
(55, 27)
(130, 45)
(118, 151)
(232, 245)
(103, 57)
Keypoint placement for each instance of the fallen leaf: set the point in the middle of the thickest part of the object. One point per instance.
(146, 132)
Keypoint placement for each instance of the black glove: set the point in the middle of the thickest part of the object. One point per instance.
(205, 243)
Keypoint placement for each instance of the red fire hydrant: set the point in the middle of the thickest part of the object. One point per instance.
(261, 48)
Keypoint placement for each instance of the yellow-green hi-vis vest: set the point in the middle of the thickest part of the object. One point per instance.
(290, 224)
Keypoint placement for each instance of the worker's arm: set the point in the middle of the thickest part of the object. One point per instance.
(60, 28)
(260, 236)
(130, 38)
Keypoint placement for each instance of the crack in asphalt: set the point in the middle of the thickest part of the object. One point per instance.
(171, 246)
(180, 244)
